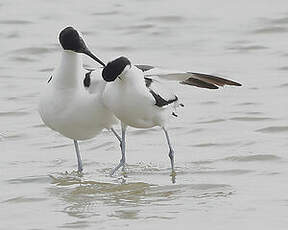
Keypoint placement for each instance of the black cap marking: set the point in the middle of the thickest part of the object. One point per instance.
(114, 68)
(70, 39)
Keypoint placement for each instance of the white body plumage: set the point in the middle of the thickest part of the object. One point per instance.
(67, 107)
(130, 100)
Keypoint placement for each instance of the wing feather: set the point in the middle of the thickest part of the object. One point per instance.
(219, 81)
(188, 78)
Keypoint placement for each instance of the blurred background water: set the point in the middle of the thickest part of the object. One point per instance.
(231, 144)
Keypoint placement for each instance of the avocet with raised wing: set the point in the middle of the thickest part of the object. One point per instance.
(136, 95)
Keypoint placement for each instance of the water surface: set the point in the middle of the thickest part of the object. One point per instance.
(231, 144)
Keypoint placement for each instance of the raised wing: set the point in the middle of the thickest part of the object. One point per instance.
(187, 78)
(208, 80)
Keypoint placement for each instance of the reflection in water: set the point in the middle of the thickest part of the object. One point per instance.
(85, 198)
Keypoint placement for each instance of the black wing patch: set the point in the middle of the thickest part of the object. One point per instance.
(87, 79)
(198, 83)
(160, 101)
(148, 81)
(144, 68)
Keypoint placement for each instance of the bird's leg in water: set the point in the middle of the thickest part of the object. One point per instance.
(79, 160)
(171, 156)
(123, 150)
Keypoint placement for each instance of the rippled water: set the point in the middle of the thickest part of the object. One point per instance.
(231, 144)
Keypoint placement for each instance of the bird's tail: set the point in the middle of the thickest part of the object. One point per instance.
(176, 105)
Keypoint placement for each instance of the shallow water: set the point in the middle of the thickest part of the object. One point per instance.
(231, 144)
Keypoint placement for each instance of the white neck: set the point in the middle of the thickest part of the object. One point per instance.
(67, 74)
(132, 76)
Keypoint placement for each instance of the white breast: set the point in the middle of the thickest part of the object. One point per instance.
(69, 108)
(131, 102)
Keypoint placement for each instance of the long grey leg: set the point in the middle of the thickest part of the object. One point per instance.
(116, 135)
(80, 167)
(171, 151)
(123, 150)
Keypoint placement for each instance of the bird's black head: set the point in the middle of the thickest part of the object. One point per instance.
(70, 39)
(114, 68)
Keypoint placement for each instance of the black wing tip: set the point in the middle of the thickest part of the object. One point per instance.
(215, 80)
(144, 68)
(199, 83)
(232, 83)
(237, 84)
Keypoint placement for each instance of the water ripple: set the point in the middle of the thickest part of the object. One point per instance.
(270, 30)
(209, 103)
(283, 68)
(22, 59)
(23, 199)
(105, 13)
(13, 35)
(13, 114)
(29, 179)
(211, 121)
(243, 48)
(55, 146)
(273, 129)
(229, 172)
(76, 224)
(247, 104)
(126, 214)
(166, 19)
(45, 70)
(277, 21)
(251, 118)
(285, 85)
(34, 50)
(120, 48)
(255, 157)
(15, 22)
(204, 145)
(16, 136)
